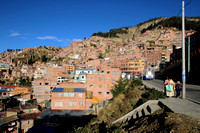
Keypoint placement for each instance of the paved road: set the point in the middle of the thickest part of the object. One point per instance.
(192, 91)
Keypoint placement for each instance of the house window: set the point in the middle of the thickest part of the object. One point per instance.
(108, 86)
(46, 92)
(23, 123)
(82, 77)
(100, 79)
(40, 83)
(99, 93)
(30, 122)
(100, 86)
(72, 104)
(46, 88)
(91, 78)
(46, 83)
(81, 103)
(40, 92)
(46, 96)
(40, 88)
(107, 93)
(69, 94)
(107, 78)
(115, 73)
(91, 85)
(108, 72)
(53, 83)
(58, 104)
(80, 95)
(60, 95)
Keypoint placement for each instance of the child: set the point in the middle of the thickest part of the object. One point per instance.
(178, 89)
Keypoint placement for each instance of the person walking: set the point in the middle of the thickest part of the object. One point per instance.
(170, 87)
(178, 89)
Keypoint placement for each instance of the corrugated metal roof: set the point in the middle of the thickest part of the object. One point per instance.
(3, 91)
(58, 90)
(68, 90)
(79, 90)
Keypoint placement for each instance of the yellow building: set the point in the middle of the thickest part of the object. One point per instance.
(132, 66)
(70, 68)
(19, 90)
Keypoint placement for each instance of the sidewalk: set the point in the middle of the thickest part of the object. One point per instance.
(183, 107)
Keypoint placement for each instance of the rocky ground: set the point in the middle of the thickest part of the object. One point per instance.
(166, 122)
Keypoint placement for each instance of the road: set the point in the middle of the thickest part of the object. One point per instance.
(192, 91)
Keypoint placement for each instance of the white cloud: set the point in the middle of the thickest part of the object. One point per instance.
(47, 38)
(50, 38)
(15, 34)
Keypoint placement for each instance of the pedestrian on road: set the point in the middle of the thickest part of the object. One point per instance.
(178, 89)
(165, 83)
(169, 87)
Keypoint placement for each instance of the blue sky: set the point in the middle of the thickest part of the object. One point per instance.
(30, 23)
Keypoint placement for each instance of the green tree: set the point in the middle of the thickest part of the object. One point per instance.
(44, 58)
(120, 87)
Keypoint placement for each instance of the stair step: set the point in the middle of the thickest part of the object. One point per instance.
(134, 116)
(153, 108)
(145, 112)
(138, 114)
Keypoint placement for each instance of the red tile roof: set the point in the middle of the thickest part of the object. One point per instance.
(9, 86)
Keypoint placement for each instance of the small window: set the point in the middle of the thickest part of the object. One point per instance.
(80, 95)
(107, 78)
(23, 123)
(91, 85)
(99, 93)
(82, 77)
(40, 83)
(91, 78)
(46, 83)
(60, 95)
(100, 86)
(100, 79)
(107, 93)
(30, 122)
(108, 72)
(81, 103)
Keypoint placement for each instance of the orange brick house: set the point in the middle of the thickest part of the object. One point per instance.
(68, 99)
(101, 83)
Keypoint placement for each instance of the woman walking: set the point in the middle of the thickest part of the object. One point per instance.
(170, 87)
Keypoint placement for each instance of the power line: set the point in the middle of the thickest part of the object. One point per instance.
(184, 7)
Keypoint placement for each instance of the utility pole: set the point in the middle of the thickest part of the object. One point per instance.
(183, 49)
(188, 57)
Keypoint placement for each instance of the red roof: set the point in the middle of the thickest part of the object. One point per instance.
(9, 86)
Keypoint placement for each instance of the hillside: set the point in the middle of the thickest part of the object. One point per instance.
(123, 43)
(32, 55)
(130, 33)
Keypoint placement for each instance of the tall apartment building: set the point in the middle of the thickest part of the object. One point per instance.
(101, 82)
(42, 89)
(133, 67)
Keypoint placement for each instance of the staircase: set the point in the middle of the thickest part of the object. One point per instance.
(146, 108)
